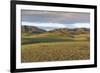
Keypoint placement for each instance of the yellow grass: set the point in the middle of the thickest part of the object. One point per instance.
(55, 51)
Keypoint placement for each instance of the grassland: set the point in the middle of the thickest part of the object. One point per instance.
(54, 47)
(55, 51)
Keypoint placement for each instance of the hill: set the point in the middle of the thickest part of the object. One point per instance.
(38, 45)
(35, 32)
(31, 29)
(72, 31)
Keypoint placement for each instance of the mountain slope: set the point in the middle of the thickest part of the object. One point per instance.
(62, 33)
(31, 29)
(71, 31)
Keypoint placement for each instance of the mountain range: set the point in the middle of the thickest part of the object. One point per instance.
(33, 29)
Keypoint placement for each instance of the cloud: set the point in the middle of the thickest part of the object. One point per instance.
(81, 25)
(51, 26)
(55, 17)
(49, 20)
(44, 24)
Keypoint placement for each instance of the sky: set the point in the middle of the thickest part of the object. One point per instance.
(49, 20)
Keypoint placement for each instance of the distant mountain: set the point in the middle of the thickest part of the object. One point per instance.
(80, 31)
(31, 29)
(72, 31)
(60, 31)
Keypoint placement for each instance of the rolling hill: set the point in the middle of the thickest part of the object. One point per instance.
(31, 34)
(38, 45)
(35, 32)
(60, 31)
(72, 31)
(31, 29)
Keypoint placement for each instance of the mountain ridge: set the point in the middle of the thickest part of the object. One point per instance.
(34, 29)
(31, 29)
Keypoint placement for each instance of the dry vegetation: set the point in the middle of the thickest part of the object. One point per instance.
(54, 46)
(55, 51)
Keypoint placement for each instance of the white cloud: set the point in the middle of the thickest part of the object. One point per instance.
(44, 25)
(81, 25)
(51, 26)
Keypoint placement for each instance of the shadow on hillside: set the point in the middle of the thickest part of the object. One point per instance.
(46, 40)
(42, 40)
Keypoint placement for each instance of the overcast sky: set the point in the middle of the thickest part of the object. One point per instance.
(49, 20)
